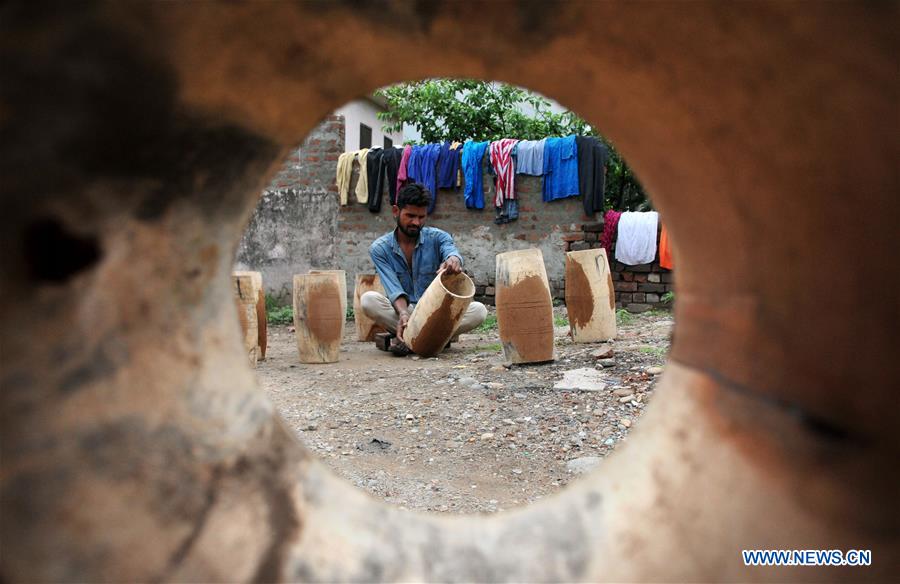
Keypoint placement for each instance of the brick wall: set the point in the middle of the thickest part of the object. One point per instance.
(299, 225)
(293, 228)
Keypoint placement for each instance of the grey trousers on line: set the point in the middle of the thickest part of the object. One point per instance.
(376, 306)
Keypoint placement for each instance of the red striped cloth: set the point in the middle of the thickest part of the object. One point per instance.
(501, 159)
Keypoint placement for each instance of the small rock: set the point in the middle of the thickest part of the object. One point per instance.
(608, 362)
(604, 351)
(517, 471)
(519, 395)
(468, 381)
(494, 385)
(312, 426)
(625, 422)
(609, 441)
(410, 417)
(622, 392)
(415, 357)
(487, 436)
(626, 399)
(654, 370)
(583, 465)
(585, 379)
(498, 369)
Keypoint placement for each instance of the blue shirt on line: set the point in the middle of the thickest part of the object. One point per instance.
(472, 154)
(433, 248)
(560, 168)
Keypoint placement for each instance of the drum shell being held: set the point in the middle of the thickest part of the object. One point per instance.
(438, 313)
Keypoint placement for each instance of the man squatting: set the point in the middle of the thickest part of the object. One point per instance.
(407, 259)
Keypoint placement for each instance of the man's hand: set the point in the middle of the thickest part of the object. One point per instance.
(452, 265)
(402, 321)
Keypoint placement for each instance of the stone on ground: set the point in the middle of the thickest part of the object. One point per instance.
(584, 379)
(604, 351)
(583, 465)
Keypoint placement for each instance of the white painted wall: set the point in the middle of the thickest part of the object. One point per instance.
(362, 111)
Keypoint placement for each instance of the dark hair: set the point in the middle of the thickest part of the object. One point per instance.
(413, 194)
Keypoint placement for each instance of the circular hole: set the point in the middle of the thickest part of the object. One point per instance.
(461, 432)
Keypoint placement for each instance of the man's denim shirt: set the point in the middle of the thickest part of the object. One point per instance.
(433, 248)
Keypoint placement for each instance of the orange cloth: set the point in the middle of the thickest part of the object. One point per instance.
(665, 252)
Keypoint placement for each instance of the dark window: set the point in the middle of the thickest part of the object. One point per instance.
(365, 136)
(388, 143)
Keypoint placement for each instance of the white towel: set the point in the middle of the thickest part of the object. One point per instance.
(636, 242)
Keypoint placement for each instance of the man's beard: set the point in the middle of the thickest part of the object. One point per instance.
(411, 231)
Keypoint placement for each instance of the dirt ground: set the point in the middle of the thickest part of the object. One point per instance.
(462, 433)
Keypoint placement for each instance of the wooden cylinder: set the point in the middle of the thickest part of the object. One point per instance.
(524, 307)
(366, 328)
(245, 298)
(262, 338)
(590, 299)
(319, 309)
(438, 312)
(341, 274)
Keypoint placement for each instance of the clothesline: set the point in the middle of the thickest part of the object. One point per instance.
(569, 166)
(634, 234)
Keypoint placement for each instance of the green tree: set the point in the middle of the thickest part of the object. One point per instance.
(467, 109)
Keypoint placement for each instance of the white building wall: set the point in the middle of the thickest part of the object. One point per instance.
(362, 111)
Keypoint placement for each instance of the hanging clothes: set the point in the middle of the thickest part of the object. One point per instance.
(636, 242)
(665, 250)
(387, 173)
(560, 168)
(344, 174)
(530, 157)
(473, 153)
(362, 182)
(373, 170)
(402, 171)
(500, 153)
(448, 165)
(592, 156)
(457, 146)
(422, 168)
(506, 213)
(610, 225)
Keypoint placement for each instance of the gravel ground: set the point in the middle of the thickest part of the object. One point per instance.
(462, 433)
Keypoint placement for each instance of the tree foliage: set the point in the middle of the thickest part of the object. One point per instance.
(466, 109)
